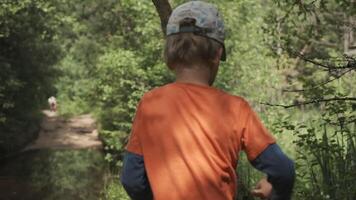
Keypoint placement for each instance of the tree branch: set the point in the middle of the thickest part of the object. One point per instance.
(320, 84)
(311, 102)
(164, 10)
(350, 62)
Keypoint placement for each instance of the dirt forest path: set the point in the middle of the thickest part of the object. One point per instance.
(56, 132)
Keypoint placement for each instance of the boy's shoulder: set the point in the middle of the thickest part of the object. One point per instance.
(171, 90)
(156, 92)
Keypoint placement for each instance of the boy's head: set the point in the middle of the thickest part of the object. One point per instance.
(195, 36)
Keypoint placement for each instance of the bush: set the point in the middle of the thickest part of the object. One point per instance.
(326, 161)
(27, 56)
(119, 84)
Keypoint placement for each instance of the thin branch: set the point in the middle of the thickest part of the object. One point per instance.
(311, 102)
(282, 19)
(325, 43)
(351, 62)
(317, 63)
(321, 84)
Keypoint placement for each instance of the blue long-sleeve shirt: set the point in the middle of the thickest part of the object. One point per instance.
(272, 161)
(134, 177)
(279, 169)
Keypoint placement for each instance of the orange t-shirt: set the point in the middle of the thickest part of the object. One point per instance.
(190, 137)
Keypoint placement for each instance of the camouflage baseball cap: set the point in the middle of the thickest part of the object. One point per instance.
(208, 21)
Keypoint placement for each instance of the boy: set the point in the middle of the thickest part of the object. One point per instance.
(187, 135)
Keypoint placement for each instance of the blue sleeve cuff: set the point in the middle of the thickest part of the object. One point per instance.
(134, 179)
(279, 169)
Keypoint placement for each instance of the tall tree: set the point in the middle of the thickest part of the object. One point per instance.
(164, 10)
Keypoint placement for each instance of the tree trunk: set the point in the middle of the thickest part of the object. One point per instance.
(164, 10)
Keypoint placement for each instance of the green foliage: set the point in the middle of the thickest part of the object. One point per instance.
(119, 85)
(108, 68)
(114, 144)
(324, 131)
(249, 57)
(27, 55)
(113, 190)
(68, 174)
(326, 154)
(55, 174)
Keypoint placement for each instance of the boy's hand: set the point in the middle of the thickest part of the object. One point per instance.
(263, 189)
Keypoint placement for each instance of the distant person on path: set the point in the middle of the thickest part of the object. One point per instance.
(187, 135)
(52, 103)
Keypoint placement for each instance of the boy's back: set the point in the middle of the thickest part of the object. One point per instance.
(190, 137)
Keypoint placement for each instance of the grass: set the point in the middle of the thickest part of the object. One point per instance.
(113, 190)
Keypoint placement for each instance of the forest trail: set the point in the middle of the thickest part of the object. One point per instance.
(79, 132)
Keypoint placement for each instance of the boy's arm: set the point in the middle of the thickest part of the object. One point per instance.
(134, 178)
(263, 152)
(279, 169)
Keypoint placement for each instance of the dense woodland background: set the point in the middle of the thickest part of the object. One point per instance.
(295, 62)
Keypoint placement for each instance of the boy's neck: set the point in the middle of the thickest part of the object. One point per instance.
(192, 82)
(194, 75)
